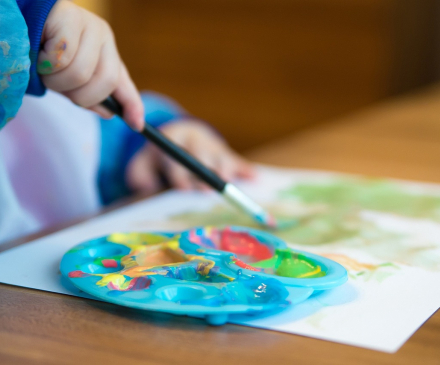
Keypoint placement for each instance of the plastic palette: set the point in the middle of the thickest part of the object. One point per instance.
(204, 272)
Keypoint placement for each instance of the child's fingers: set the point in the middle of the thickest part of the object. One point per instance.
(81, 69)
(142, 172)
(178, 176)
(245, 169)
(200, 185)
(130, 99)
(102, 83)
(102, 111)
(59, 43)
(229, 165)
(226, 167)
(57, 54)
(207, 158)
(242, 168)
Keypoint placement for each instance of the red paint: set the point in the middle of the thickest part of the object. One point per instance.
(78, 274)
(109, 263)
(243, 265)
(112, 286)
(242, 243)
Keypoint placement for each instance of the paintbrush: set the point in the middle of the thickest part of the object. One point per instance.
(229, 191)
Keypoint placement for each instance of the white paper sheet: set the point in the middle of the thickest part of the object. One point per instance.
(386, 234)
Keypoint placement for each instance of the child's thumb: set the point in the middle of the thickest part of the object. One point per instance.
(142, 175)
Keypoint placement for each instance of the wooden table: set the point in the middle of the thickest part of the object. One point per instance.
(398, 139)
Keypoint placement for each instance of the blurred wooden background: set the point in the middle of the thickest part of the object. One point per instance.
(261, 69)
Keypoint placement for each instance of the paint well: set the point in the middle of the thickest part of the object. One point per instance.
(244, 245)
(287, 263)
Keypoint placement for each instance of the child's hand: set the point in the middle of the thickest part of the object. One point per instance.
(80, 60)
(198, 139)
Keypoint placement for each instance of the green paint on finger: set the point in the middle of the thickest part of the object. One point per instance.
(45, 67)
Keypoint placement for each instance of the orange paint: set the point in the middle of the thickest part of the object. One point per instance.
(60, 48)
(243, 265)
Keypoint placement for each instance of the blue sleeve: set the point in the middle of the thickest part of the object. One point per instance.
(35, 13)
(119, 144)
(22, 24)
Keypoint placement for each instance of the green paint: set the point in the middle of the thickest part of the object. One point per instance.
(222, 215)
(290, 264)
(45, 67)
(329, 214)
(129, 239)
(368, 194)
(294, 265)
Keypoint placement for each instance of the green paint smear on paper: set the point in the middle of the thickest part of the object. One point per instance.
(329, 213)
(342, 203)
(45, 67)
(220, 215)
(368, 195)
(378, 274)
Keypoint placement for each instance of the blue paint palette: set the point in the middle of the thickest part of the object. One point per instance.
(204, 272)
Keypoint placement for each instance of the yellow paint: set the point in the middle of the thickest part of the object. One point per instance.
(148, 254)
(348, 262)
(311, 273)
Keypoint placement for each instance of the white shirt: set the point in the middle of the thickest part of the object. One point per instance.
(49, 156)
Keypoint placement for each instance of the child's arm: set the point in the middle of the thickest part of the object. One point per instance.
(128, 164)
(14, 59)
(35, 13)
(78, 58)
(199, 139)
(119, 144)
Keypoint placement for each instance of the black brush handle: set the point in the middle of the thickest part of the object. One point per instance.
(171, 149)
